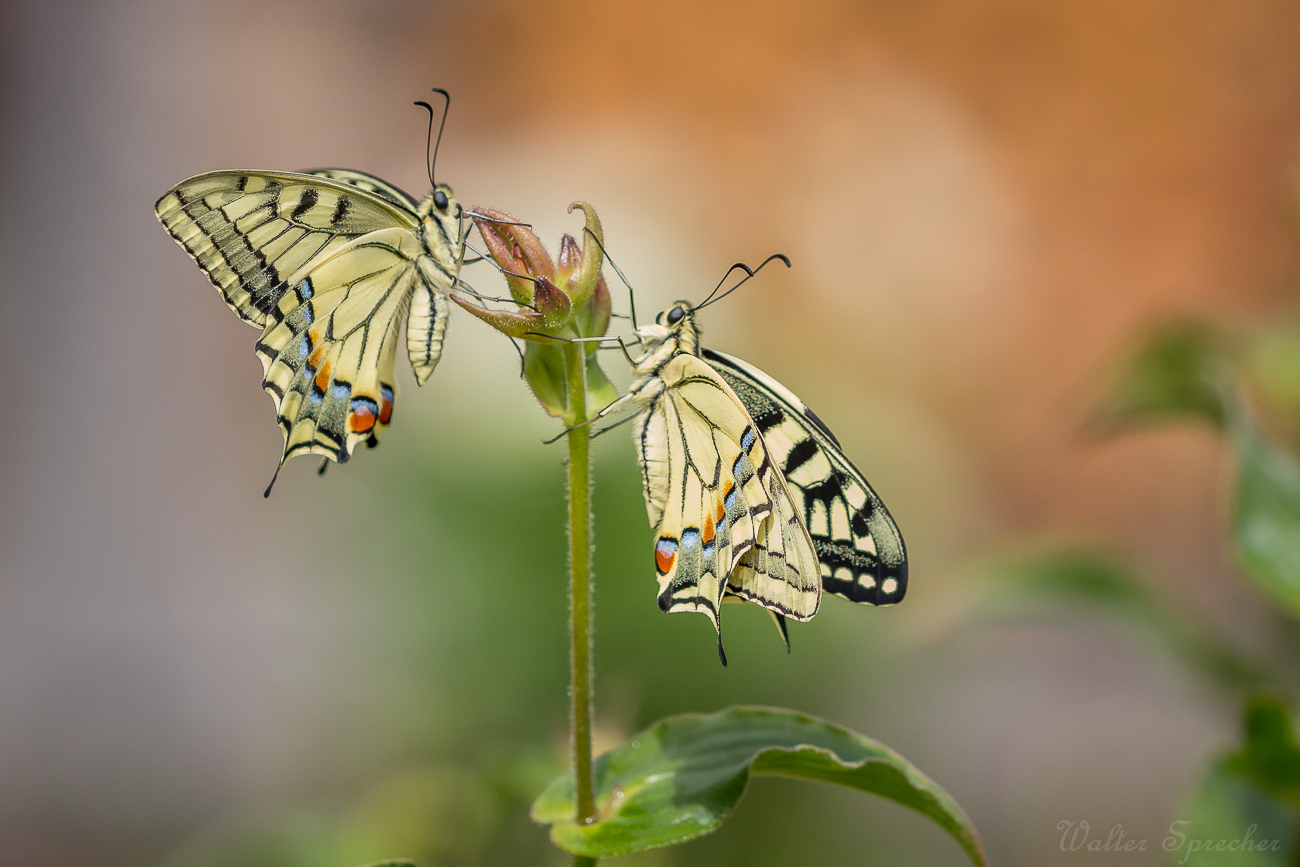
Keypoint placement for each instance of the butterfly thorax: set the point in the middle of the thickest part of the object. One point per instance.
(662, 341)
(439, 234)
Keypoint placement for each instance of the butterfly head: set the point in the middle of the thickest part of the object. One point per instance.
(675, 328)
(440, 216)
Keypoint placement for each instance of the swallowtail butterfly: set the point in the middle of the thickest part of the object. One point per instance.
(330, 264)
(749, 492)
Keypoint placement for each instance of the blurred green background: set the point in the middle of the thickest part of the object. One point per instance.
(986, 204)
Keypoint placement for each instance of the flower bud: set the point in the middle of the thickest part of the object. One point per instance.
(516, 248)
(583, 266)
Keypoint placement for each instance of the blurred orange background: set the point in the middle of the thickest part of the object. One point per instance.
(985, 204)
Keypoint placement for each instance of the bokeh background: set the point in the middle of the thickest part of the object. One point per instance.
(984, 202)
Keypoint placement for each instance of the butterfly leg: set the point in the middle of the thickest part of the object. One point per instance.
(618, 423)
(616, 406)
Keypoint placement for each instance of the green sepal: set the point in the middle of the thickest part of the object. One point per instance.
(680, 778)
(544, 373)
(600, 391)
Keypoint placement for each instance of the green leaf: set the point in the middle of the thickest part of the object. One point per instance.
(1178, 373)
(1267, 515)
(1077, 579)
(680, 778)
(1271, 758)
(1272, 362)
(1246, 812)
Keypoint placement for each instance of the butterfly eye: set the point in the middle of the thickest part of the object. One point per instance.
(675, 315)
(440, 200)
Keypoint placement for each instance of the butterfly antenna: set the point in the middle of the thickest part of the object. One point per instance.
(630, 296)
(431, 158)
(739, 265)
(748, 273)
(428, 165)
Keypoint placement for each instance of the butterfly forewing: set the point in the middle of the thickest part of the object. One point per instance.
(858, 545)
(370, 184)
(708, 477)
(249, 231)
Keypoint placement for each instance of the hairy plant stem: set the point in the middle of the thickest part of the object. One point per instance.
(580, 584)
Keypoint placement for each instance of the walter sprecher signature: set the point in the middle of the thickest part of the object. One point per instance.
(1079, 836)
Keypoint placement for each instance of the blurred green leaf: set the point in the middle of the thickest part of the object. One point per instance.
(1177, 374)
(680, 779)
(1267, 516)
(1272, 362)
(1248, 800)
(1271, 757)
(1071, 579)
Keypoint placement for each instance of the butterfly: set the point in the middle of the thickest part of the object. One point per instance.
(750, 494)
(330, 264)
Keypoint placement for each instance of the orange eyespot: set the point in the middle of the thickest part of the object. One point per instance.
(665, 553)
(362, 418)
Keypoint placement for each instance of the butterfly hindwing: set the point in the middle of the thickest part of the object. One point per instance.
(858, 545)
(709, 481)
(328, 353)
(780, 572)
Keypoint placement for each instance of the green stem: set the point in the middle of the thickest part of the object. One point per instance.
(580, 582)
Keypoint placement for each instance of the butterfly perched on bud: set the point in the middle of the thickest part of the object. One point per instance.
(330, 264)
(751, 496)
